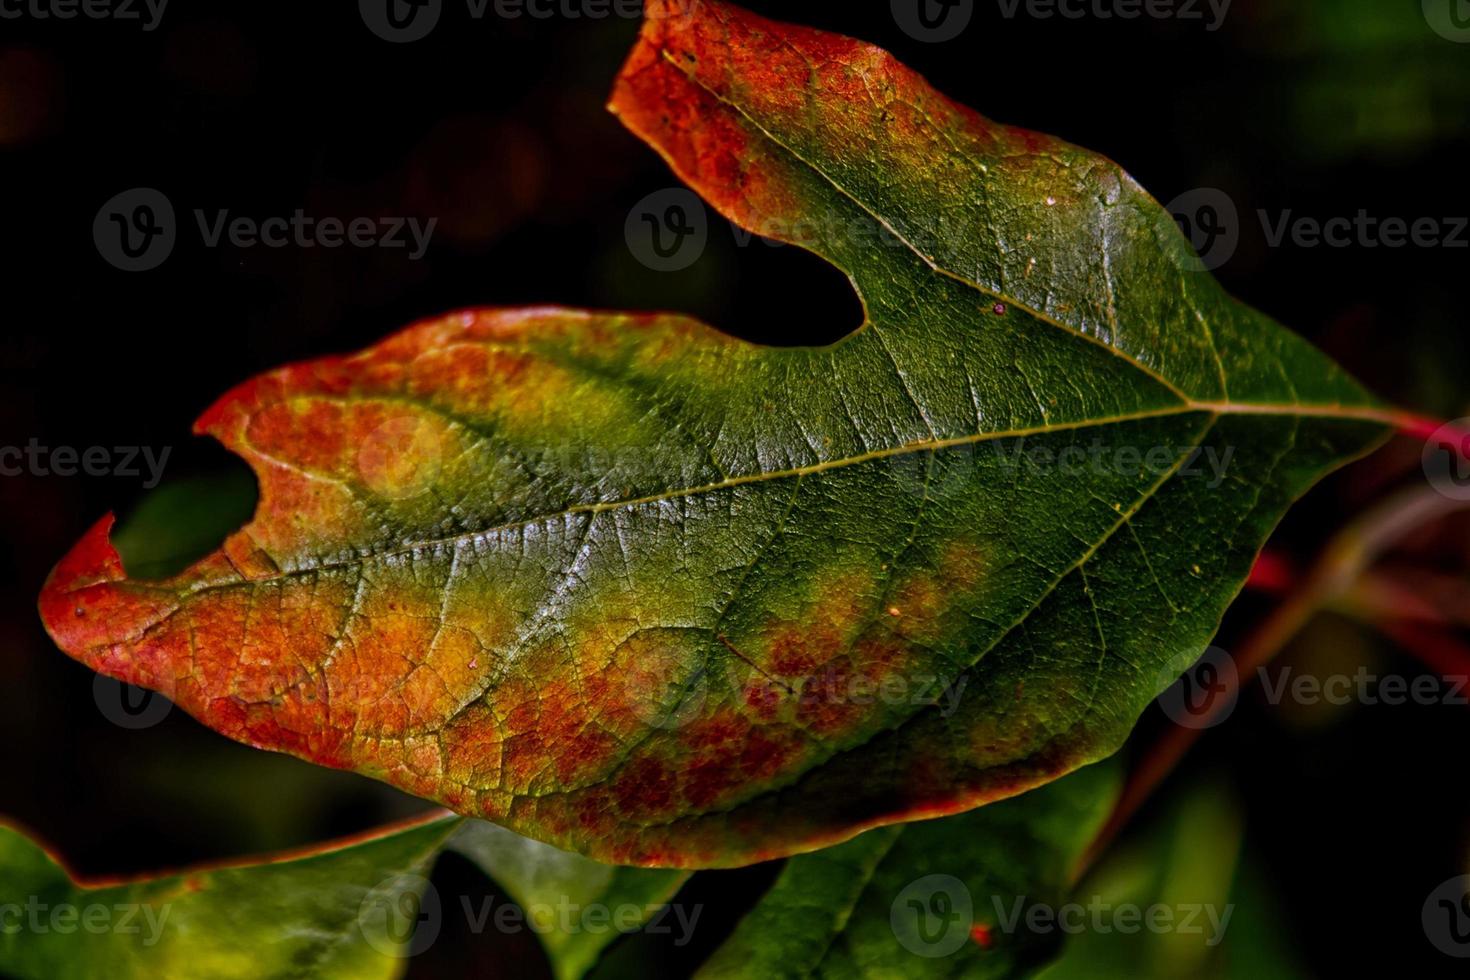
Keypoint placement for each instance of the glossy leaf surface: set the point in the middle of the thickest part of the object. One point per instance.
(636, 588)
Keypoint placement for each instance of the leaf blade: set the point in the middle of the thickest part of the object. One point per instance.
(578, 573)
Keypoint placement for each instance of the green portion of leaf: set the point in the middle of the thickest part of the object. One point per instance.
(344, 911)
(921, 899)
(576, 906)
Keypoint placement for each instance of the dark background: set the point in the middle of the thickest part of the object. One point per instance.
(496, 128)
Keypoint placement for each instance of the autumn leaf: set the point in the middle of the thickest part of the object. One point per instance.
(633, 587)
(341, 910)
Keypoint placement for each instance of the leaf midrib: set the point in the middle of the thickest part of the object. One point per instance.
(1349, 413)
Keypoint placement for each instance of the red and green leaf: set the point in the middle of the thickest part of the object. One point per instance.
(633, 587)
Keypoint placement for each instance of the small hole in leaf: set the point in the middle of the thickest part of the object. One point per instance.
(789, 297)
(207, 493)
(782, 296)
(676, 253)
